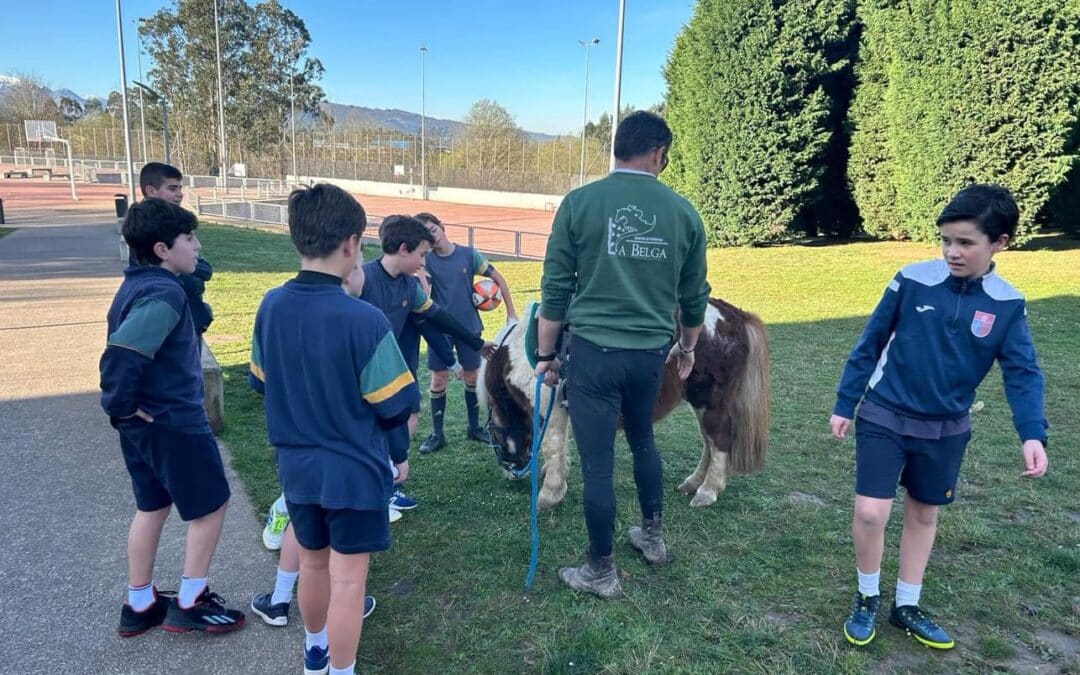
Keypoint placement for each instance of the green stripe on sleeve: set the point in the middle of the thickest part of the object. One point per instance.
(420, 300)
(385, 373)
(145, 327)
(480, 263)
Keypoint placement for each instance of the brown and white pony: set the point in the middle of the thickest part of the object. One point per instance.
(728, 390)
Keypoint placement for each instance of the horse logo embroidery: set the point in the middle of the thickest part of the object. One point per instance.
(981, 324)
(626, 236)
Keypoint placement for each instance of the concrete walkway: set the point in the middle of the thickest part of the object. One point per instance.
(65, 499)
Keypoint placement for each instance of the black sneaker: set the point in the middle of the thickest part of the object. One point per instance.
(209, 614)
(134, 623)
(920, 626)
(859, 627)
(433, 443)
(480, 435)
(274, 615)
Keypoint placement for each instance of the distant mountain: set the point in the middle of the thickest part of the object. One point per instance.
(344, 114)
(401, 120)
(56, 94)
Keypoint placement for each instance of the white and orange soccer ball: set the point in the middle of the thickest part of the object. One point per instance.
(486, 295)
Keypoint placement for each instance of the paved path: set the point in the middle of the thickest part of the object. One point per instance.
(65, 499)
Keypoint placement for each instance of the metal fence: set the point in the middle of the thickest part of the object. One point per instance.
(514, 163)
(275, 212)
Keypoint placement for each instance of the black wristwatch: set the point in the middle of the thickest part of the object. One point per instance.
(543, 359)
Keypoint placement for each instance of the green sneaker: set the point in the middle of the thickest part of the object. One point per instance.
(920, 626)
(859, 627)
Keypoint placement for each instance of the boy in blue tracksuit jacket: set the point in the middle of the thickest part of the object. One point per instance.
(928, 345)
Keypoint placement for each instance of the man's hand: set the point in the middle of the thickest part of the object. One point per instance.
(683, 360)
(457, 371)
(512, 318)
(402, 472)
(1035, 461)
(840, 426)
(488, 350)
(550, 371)
(145, 416)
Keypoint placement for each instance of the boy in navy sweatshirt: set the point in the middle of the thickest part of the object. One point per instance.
(152, 391)
(337, 396)
(926, 348)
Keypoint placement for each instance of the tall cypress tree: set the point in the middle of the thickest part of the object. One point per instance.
(960, 91)
(755, 98)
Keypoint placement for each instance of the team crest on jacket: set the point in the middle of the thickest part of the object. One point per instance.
(981, 324)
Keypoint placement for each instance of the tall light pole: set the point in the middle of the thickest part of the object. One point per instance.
(423, 130)
(585, 105)
(221, 99)
(292, 108)
(618, 82)
(142, 102)
(124, 104)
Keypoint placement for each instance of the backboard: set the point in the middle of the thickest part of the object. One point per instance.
(40, 130)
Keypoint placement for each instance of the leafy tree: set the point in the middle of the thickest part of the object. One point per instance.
(492, 142)
(263, 50)
(965, 91)
(70, 109)
(755, 98)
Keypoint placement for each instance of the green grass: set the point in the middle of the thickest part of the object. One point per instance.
(761, 580)
(5, 231)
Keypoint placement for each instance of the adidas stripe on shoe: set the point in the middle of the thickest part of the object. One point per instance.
(209, 615)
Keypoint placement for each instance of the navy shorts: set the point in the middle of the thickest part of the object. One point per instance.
(409, 344)
(346, 531)
(468, 358)
(927, 468)
(168, 466)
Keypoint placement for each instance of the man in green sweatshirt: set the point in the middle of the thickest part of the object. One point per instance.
(624, 253)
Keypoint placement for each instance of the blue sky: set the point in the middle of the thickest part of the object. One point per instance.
(522, 53)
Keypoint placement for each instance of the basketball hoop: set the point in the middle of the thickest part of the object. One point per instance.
(44, 131)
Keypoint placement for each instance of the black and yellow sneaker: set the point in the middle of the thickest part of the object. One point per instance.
(859, 627)
(920, 626)
(209, 615)
(134, 623)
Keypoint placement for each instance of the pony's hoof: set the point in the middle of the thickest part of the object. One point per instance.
(703, 498)
(689, 486)
(548, 498)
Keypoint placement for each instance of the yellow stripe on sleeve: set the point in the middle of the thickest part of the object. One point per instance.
(390, 389)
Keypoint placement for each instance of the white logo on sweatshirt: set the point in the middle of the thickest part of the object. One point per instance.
(627, 238)
(924, 308)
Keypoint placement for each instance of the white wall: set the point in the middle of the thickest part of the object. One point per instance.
(514, 200)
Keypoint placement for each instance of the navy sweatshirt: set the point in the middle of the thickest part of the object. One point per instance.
(932, 339)
(337, 390)
(151, 360)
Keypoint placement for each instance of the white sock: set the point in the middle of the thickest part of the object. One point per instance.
(869, 583)
(315, 639)
(283, 586)
(142, 597)
(190, 589)
(907, 594)
(347, 670)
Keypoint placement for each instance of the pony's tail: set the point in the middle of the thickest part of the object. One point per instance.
(750, 416)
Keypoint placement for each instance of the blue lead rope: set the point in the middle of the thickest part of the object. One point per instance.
(539, 429)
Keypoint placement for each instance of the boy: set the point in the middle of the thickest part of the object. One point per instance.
(452, 269)
(152, 391)
(391, 285)
(312, 347)
(165, 181)
(926, 348)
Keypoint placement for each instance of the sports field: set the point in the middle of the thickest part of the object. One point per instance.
(762, 580)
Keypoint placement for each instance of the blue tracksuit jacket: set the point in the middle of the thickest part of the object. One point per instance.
(931, 341)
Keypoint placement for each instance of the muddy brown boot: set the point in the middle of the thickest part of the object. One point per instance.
(597, 576)
(648, 540)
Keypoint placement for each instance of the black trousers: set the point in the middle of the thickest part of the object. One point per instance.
(601, 384)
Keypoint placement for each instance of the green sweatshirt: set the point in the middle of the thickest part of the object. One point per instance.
(623, 252)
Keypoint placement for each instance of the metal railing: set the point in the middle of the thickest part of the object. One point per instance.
(488, 240)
